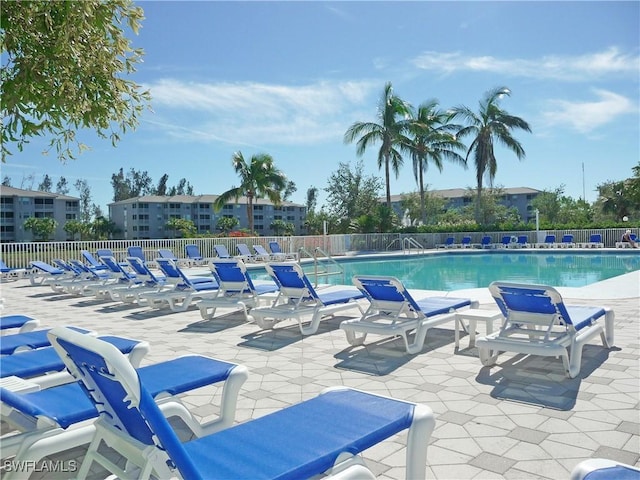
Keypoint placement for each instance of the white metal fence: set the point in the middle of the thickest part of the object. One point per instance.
(19, 255)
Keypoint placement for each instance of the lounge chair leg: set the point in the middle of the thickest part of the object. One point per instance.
(355, 340)
(487, 357)
(607, 335)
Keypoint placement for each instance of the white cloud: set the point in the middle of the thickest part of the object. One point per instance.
(255, 113)
(585, 117)
(559, 67)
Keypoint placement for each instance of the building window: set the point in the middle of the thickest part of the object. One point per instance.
(70, 216)
(258, 217)
(6, 214)
(258, 207)
(6, 200)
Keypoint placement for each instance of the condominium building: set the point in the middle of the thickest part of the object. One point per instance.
(147, 217)
(518, 197)
(16, 205)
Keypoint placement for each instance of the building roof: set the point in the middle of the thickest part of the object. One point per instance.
(197, 199)
(463, 192)
(18, 192)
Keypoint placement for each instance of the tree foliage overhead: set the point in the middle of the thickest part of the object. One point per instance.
(65, 68)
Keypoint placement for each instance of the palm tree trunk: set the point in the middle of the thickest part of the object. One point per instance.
(478, 200)
(387, 175)
(423, 213)
(250, 212)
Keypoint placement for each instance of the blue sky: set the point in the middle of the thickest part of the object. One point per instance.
(289, 78)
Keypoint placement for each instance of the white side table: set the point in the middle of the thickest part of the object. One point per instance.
(472, 315)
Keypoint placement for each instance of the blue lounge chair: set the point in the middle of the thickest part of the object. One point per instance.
(279, 255)
(549, 242)
(43, 366)
(244, 253)
(339, 424)
(486, 242)
(537, 322)
(72, 274)
(87, 280)
(523, 241)
(221, 251)
(185, 289)
(22, 322)
(19, 342)
(92, 261)
(237, 290)
(8, 273)
(50, 419)
(595, 241)
(566, 242)
(506, 241)
(136, 251)
(466, 242)
(45, 274)
(448, 243)
(393, 311)
(194, 257)
(168, 254)
(297, 298)
(262, 254)
(149, 283)
(604, 469)
(121, 278)
(626, 244)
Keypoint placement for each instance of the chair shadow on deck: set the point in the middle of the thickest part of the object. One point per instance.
(147, 314)
(217, 324)
(541, 381)
(280, 337)
(388, 354)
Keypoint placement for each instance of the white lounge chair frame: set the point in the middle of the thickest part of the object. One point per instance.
(393, 318)
(146, 460)
(232, 294)
(545, 334)
(40, 437)
(296, 303)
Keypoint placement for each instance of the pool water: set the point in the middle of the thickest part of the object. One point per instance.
(471, 270)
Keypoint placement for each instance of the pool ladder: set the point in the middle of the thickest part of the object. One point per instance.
(322, 262)
(407, 243)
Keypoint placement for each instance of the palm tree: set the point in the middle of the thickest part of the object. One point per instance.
(491, 124)
(258, 179)
(431, 138)
(393, 114)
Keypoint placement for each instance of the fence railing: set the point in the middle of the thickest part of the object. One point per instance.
(19, 255)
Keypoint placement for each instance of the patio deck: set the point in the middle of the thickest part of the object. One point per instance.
(522, 419)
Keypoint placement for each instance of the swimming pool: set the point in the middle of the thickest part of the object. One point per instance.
(457, 270)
